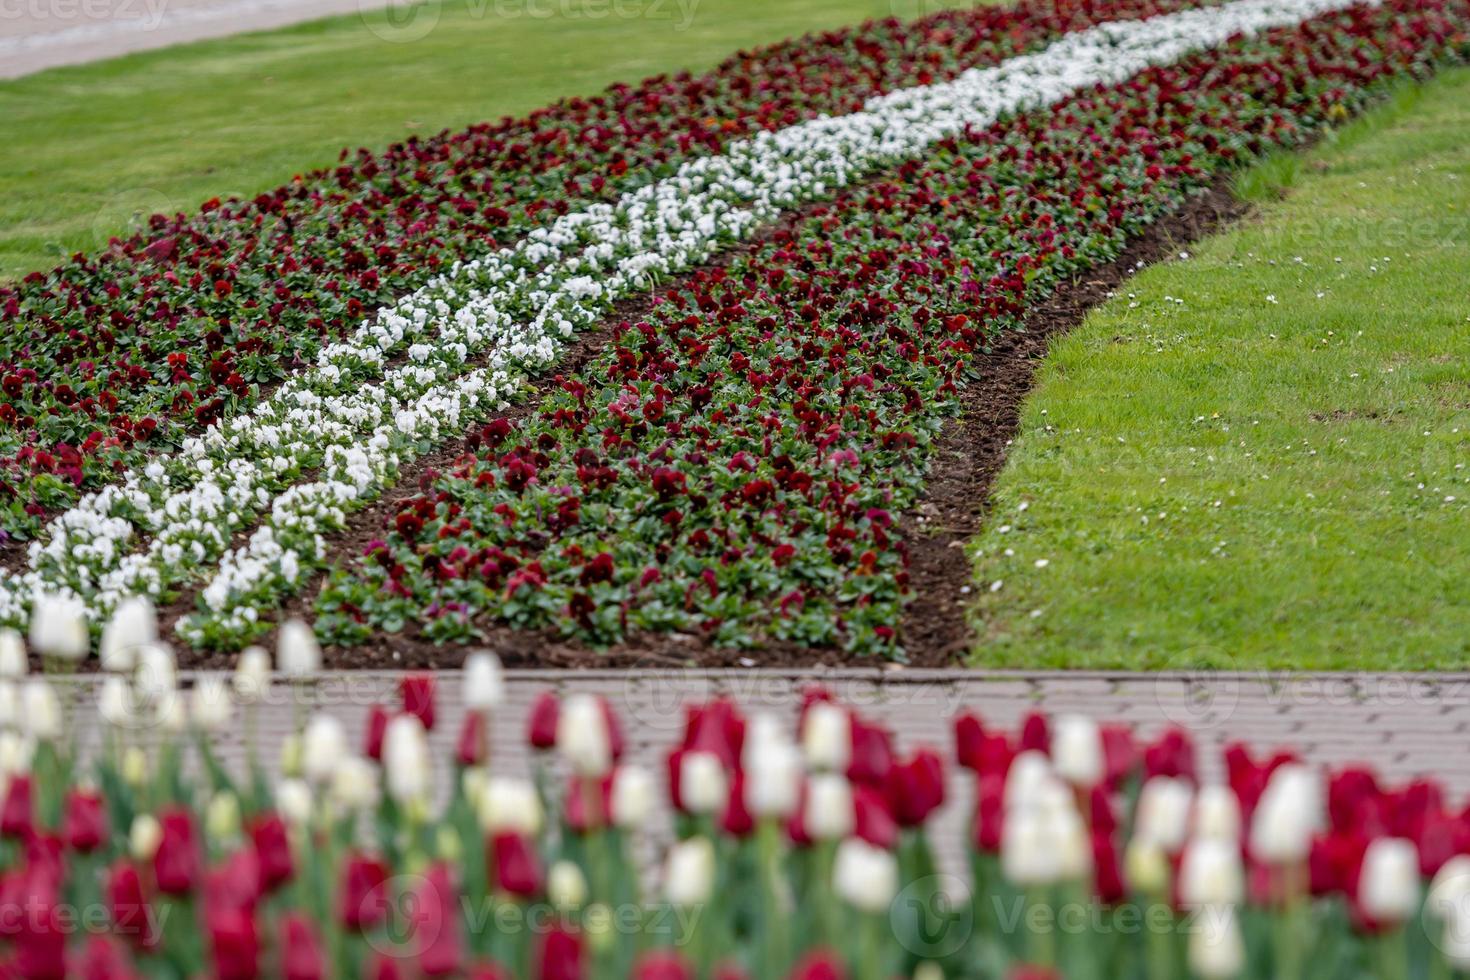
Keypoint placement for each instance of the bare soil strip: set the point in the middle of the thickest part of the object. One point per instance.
(971, 452)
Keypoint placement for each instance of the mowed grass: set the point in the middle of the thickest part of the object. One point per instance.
(1258, 457)
(88, 151)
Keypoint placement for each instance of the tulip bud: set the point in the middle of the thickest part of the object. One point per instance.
(157, 675)
(59, 627)
(632, 800)
(222, 817)
(566, 886)
(582, 736)
(12, 654)
(133, 624)
(509, 806)
(864, 876)
(826, 737)
(1388, 882)
(1216, 948)
(144, 837)
(252, 680)
(1077, 751)
(1146, 866)
(354, 785)
(134, 766)
(1217, 813)
(1163, 812)
(1211, 873)
(211, 705)
(1288, 813)
(291, 756)
(406, 760)
(484, 682)
(297, 652)
(293, 802)
(40, 710)
(703, 785)
(689, 877)
(115, 702)
(828, 812)
(323, 746)
(773, 781)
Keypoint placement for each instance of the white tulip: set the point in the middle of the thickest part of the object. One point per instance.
(13, 661)
(293, 802)
(144, 837)
(157, 673)
(1211, 873)
(1449, 892)
(1030, 772)
(297, 652)
(773, 781)
(1289, 812)
(1073, 843)
(134, 766)
(484, 682)
(9, 703)
(59, 627)
(40, 710)
(689, 876)
(566, 886)
(1163, 812)
(632, 798)
(406, 760)
(1455, 941)
(1146, 866)
(169, 713)
(16, 753)
(1077, 751)
(354, 786)
(1217, 813)
(1028, 852)
(1388, 881)
(582, 736)
(763, 732)
(132, 625)
(115, 702)
(211, 706)
(222, 817)
(703, 785)
(1216, 947)
(512, 805)
(323, 746)
(829, 814)
(252, 680)
(826, 737)
(864, 876)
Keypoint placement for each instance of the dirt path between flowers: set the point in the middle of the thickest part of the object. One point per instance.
(972, 449)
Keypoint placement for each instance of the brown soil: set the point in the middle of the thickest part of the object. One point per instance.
(970, 453)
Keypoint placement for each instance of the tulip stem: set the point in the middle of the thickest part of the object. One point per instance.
(1393, 955)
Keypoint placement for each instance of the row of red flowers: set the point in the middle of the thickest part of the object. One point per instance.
(800, 853)
(113, 355)
(734, 464)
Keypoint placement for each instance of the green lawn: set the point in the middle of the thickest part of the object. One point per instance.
(87, 149)
(1259, 456)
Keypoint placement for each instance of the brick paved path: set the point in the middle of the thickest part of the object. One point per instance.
(1402, 724)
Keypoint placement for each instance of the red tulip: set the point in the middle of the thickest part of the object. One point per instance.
(363, 898)
(176, 863)
(1033, 973)
(272, 850)
(385, 967)
(916, 787)
(103, 959)
(716, 727)
(615, 742)
(1120, 754)
(515, 865)
(489, 971)
(819, 965)
(17, 818)
(473, 747)
(587, 808)
(301, 951)
(417, 691)
(736, 819)
(1035, 733)
(435, 920)
(871, 819)
(980, 751)
(1348, 791)
(872, 753)
(377, 726)
(989, 813)
(84, 825)
(234, 944)
(730, 971)
(1171, 754)
(127, 907)
(662, 965)
(561, 956)
(1102, 817)
(1107, 868)
(541, 724)
(40, 947)
(235, 883)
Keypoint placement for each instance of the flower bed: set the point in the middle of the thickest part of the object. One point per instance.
(800, 847)
(732, 465)
(113, 357)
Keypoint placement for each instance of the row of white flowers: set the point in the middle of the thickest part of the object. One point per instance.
(520, 304)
